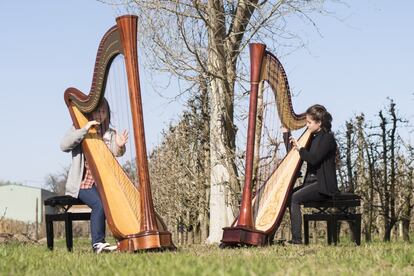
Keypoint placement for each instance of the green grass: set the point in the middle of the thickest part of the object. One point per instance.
(345, 259)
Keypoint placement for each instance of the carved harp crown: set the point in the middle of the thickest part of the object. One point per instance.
(270, 199)
(129, 210)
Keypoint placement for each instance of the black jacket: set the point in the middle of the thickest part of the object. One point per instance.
(321, 156)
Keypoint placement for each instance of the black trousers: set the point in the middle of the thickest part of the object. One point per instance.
(309, 191)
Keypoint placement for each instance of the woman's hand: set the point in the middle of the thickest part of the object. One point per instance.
(90, 124)
(294, 143)
(121, 139)
(284, 129)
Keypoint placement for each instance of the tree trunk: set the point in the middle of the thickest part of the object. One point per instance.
(406, 230)
(222, 178)
(393, 194)
(385, 202)
(370, 203)
(348, 154)
(225, 188)
(406, 212)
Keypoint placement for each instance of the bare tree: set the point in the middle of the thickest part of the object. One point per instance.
(57, 182)
(381, 170)
(179, 170)
(388, 193)
(406, 171)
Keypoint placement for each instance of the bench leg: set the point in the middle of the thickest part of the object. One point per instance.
(330, 226)
(68, 230)
(49, 232)
(334, 230)
(306, 229)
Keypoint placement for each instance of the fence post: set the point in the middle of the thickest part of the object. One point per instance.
(37, 220)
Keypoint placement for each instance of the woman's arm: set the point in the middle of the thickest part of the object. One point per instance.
(74, 137)
(317, 153)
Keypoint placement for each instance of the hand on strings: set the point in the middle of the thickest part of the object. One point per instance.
(294, 143)
(121, 139)
(91, 124)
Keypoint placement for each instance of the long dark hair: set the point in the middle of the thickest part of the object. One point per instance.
(319, 113)
(97, 115)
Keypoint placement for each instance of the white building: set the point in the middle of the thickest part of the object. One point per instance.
(18, 202)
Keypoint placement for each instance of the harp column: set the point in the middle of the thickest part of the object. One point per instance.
(256, 56)
(128, 30)
(244, 231)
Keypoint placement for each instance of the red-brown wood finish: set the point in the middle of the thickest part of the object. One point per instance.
(244, 232)
(256, 56)
(128, 30)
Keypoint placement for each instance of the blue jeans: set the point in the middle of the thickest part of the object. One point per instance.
(91, 198)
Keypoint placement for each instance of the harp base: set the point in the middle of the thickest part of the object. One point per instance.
(148, 240)
(242, 235)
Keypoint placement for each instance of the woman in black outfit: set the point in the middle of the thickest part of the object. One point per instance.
(320, 180)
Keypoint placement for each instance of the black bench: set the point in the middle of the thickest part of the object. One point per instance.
(63, 203)
(332, 211)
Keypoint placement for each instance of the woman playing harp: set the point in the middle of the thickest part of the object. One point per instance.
(80, 182)
(261, 216)
(127, 203)
(320, 180)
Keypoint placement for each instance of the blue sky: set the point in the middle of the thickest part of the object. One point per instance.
(47, 46)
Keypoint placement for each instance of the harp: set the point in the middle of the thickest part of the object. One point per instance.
(129, 209)
(270, 200)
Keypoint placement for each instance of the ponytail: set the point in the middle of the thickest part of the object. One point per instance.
(319, 113)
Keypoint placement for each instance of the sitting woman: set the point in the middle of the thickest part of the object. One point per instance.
(80, 182)
(320, 180)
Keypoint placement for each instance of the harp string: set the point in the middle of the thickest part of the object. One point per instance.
(116, 93)
(270, 149)
(118, 96)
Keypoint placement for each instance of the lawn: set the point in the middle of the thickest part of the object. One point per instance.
(345, 259)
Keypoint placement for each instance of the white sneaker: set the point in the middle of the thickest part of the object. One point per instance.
(110, 248)
(100, 247)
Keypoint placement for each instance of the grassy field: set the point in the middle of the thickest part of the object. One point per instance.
(344, 259)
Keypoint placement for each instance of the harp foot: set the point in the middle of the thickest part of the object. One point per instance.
(242, 236)
(147, 241)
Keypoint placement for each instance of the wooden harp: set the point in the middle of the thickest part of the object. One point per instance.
(257, 228)
(129, 209)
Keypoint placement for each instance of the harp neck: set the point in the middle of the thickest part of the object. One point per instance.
(109, 47)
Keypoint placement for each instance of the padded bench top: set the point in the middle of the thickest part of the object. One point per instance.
(345, 196)
(338, 200)
(62, 201)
